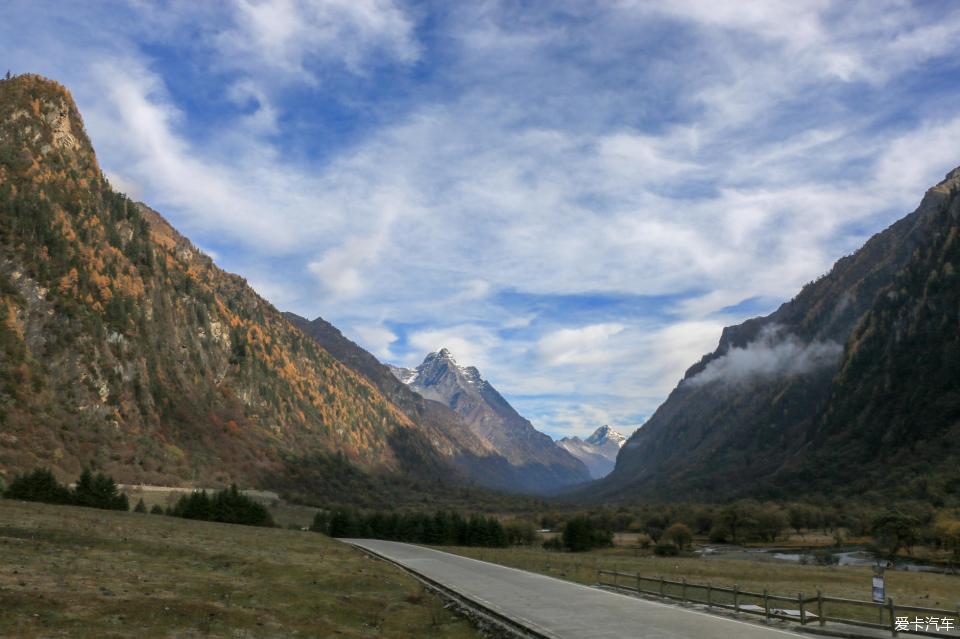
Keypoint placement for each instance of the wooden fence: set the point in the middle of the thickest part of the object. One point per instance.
(818, 608)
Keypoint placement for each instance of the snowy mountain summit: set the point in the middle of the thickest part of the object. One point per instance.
(544, 464)
(598, 451)
(605, 436)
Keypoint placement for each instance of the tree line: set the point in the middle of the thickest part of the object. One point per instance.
(101, 491)
(92, 491)
(442, 528)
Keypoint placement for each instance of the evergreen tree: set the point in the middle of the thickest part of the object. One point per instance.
(39, 485)
(99, 491)
(140, 507)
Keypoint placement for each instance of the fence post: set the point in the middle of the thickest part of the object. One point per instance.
(709, 596)
(893, 618)
(683, 595)
(803, 616)
(638, 583)
(662, 585)
(736, 598)
(766, 605)
(823, 621)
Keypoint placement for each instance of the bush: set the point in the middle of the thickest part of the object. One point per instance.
(140, 507)
(894, 530)
(580, 534)
(554, 543)
(678, 535)
(719, 534)
(520, 533)
(321, 522)
(666, 549)
(156, 510)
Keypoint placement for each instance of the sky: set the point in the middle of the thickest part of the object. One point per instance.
(575, 197)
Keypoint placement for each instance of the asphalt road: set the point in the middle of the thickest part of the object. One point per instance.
(562, 609)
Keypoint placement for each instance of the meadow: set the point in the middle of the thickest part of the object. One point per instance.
(82, 573)
(853, 582)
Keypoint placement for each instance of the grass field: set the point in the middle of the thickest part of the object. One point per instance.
(284, 513)
(78, 572)
(908, 588)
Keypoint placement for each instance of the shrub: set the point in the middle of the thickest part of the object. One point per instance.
(156, 510)
(894, 530)
(580, 535)
(678, 535)
(554, 543)
(321, 522)
(666, 549)
(719, 534)
(140, 507)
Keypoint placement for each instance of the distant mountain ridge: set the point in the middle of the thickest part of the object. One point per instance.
(598, 451)
(494, 420)
(852, 386)
(476, 458)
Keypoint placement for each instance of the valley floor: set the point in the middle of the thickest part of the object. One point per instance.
(852, 582)
(79, 572)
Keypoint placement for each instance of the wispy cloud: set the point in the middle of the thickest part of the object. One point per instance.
(400, 168)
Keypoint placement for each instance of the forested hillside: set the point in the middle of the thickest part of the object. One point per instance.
(123, 346)
(852, 386)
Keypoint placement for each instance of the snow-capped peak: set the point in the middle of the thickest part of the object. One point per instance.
(606, 434)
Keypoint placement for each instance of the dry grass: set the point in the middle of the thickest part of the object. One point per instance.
(77, 572)
(283, 512)
(907, 588)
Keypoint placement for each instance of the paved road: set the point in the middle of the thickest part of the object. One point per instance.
(562, 609)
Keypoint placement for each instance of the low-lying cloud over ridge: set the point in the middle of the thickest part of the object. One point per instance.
(775, 353)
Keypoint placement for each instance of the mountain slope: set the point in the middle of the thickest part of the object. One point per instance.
(598, 451)
(124, 346)
(476, 458)
(822, 394)
(546, 466)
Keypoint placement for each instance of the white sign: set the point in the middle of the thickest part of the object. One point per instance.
(879, 596)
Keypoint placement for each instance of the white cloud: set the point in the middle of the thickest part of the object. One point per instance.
(584, 345)
(286, 38)
(377, 339)
(471, 345)
(774, 353)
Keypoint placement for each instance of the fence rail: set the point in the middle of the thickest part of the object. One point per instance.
(818, 608)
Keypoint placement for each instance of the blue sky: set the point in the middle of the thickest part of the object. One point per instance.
(575, 197)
